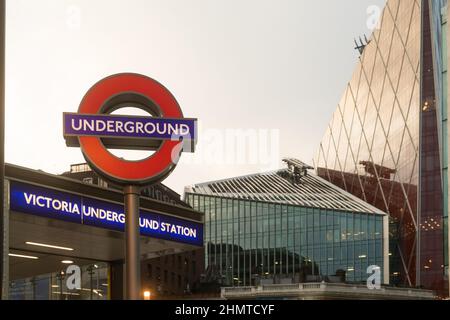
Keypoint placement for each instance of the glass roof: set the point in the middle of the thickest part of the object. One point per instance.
(297, 185)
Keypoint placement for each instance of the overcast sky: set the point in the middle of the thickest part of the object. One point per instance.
(278, 65)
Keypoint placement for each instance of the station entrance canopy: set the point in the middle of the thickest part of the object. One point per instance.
(65, 213)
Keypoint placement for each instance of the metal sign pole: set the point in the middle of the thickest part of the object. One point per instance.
(132, 239)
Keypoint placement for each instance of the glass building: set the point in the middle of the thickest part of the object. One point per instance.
(387, 142)
(288, 226)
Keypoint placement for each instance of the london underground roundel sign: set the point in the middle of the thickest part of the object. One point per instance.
(95, 129)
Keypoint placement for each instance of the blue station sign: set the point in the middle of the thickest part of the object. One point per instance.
(79, 209)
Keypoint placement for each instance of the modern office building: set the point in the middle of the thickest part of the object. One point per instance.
(387, 142)
(288, 226)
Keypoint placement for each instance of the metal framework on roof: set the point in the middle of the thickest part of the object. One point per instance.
(308, 190)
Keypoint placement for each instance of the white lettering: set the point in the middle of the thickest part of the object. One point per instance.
(129, 127)
(56, 204)
(75, 209)
(147, 130)
(39, 203)
(108, 215)
(139, 127)
(159, 129)
(119, 126)
(50, 203)
(100, 126)
(76, 128)
(111, 126)
(28, 197)
(184, 130)
(88, 124)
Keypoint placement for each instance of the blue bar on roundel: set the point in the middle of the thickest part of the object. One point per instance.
(117, 126)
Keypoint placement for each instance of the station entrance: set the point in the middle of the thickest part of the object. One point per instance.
(51, 255)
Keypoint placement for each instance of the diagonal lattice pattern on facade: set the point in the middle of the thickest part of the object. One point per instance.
(371, 146)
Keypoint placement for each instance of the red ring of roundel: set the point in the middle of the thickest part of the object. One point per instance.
(143, 171)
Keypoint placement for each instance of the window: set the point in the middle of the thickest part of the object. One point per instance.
(309, 220)
(323, 219)
(188, 198)
(316, 218)
(158, 273)
(330, 220)
(88, 180)
(102, 183)
(149, 271)
(82, 167)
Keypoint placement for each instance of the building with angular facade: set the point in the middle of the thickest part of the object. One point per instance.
(288, 226)
(387, 142)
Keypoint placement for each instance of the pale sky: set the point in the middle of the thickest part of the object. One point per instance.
(233, 64)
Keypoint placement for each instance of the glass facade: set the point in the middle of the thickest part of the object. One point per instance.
(249, 242)
(383, 143)
(430, 260)
(53, 286)
(440, 44)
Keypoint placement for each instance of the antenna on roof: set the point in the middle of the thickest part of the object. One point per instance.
(362, 44)
(296, 170)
